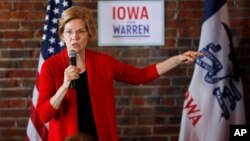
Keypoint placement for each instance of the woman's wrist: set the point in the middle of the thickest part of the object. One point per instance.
(65, 85)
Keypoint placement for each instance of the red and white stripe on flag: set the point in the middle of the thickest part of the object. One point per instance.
(51, 45)
(214, 99)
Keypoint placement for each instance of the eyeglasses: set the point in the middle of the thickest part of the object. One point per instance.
(69, 33)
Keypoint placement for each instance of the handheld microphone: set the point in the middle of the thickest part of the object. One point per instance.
(72, 61)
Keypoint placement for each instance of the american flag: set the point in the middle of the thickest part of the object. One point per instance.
(51, 45)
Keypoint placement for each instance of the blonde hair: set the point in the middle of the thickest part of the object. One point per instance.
(80, 137)
(76, 12)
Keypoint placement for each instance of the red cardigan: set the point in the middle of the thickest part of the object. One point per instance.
(102, 70)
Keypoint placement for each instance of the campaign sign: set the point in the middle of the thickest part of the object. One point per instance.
(129, 23)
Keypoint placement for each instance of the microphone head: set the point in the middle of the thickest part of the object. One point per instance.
(72, 53)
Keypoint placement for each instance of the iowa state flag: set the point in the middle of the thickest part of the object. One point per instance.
(214, 99)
